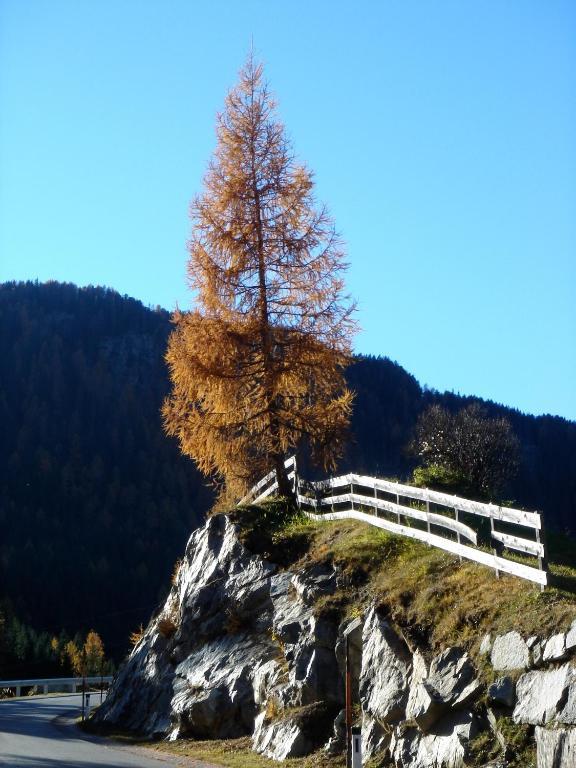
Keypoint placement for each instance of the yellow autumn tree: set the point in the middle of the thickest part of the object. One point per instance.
(257, 366)
(93, 653)
(74, 657)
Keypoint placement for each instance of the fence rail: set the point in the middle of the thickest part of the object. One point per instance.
(369, 499)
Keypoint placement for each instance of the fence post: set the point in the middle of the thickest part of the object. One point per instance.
(493, 548)
(376, 497)
(457, 517)
(296, 484)
(428, 518)
(351, 494)
(541, 539)
(398, 511)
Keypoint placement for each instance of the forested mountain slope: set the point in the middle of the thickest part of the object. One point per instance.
(96, 503)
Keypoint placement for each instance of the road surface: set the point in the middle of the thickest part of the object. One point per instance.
(39, 732)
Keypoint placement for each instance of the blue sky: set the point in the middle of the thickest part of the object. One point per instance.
(442, 135)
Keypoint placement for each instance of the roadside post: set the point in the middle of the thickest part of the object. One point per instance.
(350, 754)
(356, 747)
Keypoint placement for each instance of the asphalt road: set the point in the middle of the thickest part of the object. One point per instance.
(39, 732)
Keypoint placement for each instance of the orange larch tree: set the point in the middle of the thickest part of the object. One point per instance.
(257, 366)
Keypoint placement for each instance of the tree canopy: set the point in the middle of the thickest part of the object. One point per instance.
(468, 450)
(257, 366)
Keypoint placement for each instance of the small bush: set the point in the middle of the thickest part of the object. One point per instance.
(136, 636)
(167, 627)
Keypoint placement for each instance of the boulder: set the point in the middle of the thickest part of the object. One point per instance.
(571, 637)
(336, 744)
(502, 692)
(375, 739)
(451, 683)
(485, 645)
(556, 747)
(307, 643)
(314, 582)
(417, 695)
(555, 648)
(280, 739)
(540, 695)
(510, 652)
(385, 673)
(214, 688)
(294, 733)
(567, 714)
(444, 746)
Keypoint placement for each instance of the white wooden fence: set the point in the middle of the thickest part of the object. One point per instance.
(439, 519)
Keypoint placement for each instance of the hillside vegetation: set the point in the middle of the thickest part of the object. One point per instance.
(96, 502)
(426, 591)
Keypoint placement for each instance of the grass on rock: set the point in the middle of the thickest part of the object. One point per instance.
(432, 596)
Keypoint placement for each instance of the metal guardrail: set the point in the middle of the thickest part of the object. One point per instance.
(439, 519)
(53, 683)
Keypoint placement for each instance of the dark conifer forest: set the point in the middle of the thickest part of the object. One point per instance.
(96, 503)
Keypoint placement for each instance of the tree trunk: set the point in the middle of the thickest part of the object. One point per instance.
(284, 485)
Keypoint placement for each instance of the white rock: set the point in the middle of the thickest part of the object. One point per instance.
(571, 637)
(567, 714)
(485, 645)
(419, 674)
(450, 683)
(539, 695)
(374, 738)
(385, 673)
(280, 739)
(443, 747)
(509, 652)
(555, 748)
(555, 648)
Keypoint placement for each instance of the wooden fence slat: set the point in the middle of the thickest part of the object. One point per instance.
(400, 509)
(521, 545)
(477, 555)
(261, 483)
(507, 514)
(271, 489)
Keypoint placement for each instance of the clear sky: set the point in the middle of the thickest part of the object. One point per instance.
(442, 135)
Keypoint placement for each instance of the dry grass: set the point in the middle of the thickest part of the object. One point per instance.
(435, 598)
(237, 753)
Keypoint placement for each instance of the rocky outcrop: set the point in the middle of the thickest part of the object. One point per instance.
(240, 648)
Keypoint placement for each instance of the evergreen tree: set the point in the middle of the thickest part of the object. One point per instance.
(258, 366)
